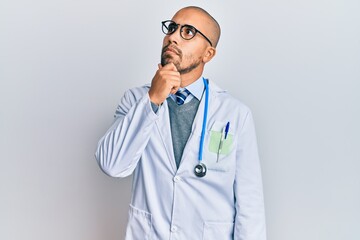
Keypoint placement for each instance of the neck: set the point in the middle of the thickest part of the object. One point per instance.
(190, 77)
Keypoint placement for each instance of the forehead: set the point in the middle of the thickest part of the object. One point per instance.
(192, 17)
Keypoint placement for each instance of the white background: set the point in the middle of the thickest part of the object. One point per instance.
(64, 66)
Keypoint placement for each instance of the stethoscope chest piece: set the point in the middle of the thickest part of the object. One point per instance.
(200, 170)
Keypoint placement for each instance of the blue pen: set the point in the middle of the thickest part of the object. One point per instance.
(224, 134)
(227, 129)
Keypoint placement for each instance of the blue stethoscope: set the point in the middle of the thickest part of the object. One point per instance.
(200, 168)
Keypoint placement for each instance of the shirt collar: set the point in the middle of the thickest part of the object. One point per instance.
(196, 88)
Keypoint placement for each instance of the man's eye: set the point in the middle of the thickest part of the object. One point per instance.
(172, 27)
(188, 32)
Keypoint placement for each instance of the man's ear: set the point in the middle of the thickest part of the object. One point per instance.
(209, 54)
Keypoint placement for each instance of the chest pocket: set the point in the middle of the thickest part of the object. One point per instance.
(220, 154)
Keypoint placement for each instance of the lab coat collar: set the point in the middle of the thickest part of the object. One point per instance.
(215, 89)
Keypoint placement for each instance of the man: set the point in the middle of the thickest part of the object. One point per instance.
(182, 190)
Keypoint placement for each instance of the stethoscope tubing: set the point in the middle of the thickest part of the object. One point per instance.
(203, 131)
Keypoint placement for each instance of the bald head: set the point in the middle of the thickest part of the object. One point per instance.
(213, 30)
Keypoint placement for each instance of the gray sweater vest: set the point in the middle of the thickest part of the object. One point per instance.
(181, 120)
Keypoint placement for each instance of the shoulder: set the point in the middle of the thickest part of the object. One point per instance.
(130, 98)
(224, 98)
(136, 93)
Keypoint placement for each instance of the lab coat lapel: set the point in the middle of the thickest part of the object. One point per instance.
(163, 126)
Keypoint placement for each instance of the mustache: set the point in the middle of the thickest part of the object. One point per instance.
(172, 47)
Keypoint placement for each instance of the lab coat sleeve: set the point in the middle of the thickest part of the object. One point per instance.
(249, 202)
(120, 149)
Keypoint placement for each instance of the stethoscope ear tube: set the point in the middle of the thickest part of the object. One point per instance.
(200, 169)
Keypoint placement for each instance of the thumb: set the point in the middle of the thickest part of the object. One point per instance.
(159, 66)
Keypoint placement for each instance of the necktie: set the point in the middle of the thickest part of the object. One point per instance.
(181, 96)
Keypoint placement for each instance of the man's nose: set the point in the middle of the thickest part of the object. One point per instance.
(175, 36)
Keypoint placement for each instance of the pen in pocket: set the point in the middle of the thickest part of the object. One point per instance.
(224, 134)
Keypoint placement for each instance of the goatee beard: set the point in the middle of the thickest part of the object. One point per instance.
(166, 60)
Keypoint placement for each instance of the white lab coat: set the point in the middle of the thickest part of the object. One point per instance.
(171, 203)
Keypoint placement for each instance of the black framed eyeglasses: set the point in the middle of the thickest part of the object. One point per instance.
(187, 32)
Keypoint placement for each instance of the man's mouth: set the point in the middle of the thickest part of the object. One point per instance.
(170, 49)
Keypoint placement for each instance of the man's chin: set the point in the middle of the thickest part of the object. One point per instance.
(165, 61)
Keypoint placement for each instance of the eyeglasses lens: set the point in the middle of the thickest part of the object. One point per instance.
(169, 27)
(187, 32)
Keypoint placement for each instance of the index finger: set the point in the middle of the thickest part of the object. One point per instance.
(170, 66)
